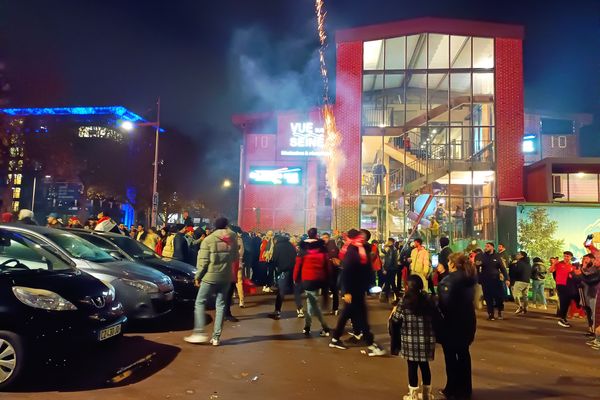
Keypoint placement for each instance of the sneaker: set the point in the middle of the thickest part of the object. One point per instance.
(231, 318)
(242, 305)
(275, 315)
(491, 317)
(595, 347)
(266, 289)
(593, 342)
(306, 331)
(337, 344)
(324, 333)
(336, 312)
(519, 310)
(524, 310)
(215, 342)
(196, 338)
(300, 313)
(564, 323)
(375, 351)
(500, 317)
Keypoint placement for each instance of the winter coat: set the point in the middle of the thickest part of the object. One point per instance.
(420, 264)
(538, 271)
(417, 336)
(356, 276)
(522, 270)
(284, 255)
(218, 252)
(150, 240)
(456, 293)
(390, 258)
(168, 248)
(443, 261)
(180, 248)
(590, 276)
(490, 267)
(311, 266)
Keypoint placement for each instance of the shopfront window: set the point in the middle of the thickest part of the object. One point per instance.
(576, 187)
(431, 98)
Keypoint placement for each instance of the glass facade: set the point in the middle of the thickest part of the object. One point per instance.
(428, 129)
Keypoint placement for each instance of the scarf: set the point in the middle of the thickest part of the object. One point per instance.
(359, 243)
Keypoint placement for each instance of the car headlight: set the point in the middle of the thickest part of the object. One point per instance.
(44, 299)
(110, 293)
(144, 286)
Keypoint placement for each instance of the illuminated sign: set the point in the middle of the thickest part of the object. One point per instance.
(306, 140)
(529, 144)
(275, 175)
(100, 132)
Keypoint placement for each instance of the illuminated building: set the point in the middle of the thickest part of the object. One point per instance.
(52, 151)
(425, 107)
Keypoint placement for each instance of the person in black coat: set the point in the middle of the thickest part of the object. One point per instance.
(180, 245)
(492, 277)
(442, 267)
(284, 259)
(458, 325)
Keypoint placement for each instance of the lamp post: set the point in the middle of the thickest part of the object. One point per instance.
(128, 126)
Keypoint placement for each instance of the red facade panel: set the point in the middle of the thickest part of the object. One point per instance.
(348, 118)
(509, 118)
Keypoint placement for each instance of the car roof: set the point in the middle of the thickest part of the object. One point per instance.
(34, 228)
(99, 233)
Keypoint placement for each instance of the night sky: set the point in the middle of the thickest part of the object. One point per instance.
(208, 60)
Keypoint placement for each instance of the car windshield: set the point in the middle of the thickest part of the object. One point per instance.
(20, 251)
(132, 247)
(79, 248)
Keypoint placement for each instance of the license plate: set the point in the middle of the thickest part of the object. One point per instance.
(109, 332)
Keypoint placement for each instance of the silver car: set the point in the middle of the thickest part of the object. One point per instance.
(144, 292)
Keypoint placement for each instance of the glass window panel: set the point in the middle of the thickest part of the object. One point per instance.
(460, 99)
(372, 159)
(373, 55)
(395, 99)
(416, 51)
(416, 99)
(483, 53)
(394, 53)
(583, 187)
(483, 99)
(560, 187)
(438, 50)
(373, 100)
(438, 98)
(483, 144)
(460, 52)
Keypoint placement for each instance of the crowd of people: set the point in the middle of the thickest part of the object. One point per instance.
(430, 304)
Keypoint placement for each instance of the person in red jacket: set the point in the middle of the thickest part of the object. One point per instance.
(312, 272)
(564, 286)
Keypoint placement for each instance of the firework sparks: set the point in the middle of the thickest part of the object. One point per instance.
(333, 138)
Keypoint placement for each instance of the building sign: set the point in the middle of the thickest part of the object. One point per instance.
(275, 176)
(306, 140)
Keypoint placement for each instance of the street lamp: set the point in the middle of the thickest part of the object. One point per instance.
(129, 126)
(226, 183)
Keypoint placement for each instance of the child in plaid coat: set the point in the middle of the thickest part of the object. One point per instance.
(417, 336)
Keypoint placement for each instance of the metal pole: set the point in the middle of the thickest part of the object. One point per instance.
(33, 194)
(154, 216)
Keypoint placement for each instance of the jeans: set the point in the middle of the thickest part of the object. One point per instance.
(520, 293)
(539, 296)
(458, 370)
(284, 282)
(207, 289)
(389, 283)
(313, 308)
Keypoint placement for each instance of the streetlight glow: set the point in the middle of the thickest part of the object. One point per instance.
(226, 183)
(127, 125)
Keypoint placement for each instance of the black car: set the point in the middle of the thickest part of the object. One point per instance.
(121, 246)
(45, 300)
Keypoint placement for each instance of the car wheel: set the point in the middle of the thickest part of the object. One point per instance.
(12, 357)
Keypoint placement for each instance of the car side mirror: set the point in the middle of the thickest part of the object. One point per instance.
(117, 255)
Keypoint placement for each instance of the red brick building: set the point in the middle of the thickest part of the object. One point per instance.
(424, 106)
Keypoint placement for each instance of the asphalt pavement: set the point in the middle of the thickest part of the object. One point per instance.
(522, 357)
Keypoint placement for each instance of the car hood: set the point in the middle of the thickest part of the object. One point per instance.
(174, 265)
(125, 269)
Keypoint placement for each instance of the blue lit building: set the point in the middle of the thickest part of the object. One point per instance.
(74, 160)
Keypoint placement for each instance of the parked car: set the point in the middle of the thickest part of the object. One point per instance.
(124, 247)
(144, 292)
(45, 299)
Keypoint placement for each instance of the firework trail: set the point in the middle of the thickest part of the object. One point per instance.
(333, 139)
